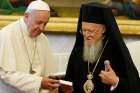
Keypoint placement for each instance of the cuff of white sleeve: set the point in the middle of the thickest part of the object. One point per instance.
(115, 86)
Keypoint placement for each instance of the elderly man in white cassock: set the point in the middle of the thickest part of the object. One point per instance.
(25, 55)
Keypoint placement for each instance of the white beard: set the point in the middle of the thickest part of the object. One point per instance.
(91, 53)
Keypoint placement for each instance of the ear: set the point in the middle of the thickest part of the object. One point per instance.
(26, 16)
(104, 29)
(104, 32)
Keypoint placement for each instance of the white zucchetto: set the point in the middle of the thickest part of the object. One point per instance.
(38, 5)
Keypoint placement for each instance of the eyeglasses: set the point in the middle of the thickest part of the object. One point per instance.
(87, 31)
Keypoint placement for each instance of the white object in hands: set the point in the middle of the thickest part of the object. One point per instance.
(106, 63)
(65, 82)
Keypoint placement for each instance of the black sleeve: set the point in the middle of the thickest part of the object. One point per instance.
(122, 86)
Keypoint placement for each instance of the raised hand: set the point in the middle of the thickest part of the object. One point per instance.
(109, 76)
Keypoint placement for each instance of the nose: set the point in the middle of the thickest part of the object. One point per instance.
(41, 27)
(86, 34)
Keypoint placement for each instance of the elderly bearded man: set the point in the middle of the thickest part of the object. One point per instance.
(100, 61)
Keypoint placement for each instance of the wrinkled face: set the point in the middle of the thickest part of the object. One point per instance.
(92, 32)
(36, 21)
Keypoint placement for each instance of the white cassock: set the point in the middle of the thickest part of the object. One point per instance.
(23, 59)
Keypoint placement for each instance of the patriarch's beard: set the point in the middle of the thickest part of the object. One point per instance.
(92, 52)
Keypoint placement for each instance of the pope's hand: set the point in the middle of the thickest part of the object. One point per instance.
(49, 84)
(109, 76)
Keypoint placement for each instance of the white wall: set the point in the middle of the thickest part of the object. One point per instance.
(63, 43)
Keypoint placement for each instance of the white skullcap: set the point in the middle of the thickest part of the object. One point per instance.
(38, 5)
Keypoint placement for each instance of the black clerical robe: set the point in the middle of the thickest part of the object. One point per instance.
(115, 51)
(77, 71)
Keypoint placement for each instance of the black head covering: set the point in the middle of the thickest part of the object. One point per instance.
(92, 15)
(115, 50)
(96, 13)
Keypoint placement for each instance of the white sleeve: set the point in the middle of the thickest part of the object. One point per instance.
(26, 83)
(115, 86)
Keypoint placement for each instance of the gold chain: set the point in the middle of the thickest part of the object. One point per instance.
(97, 60)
